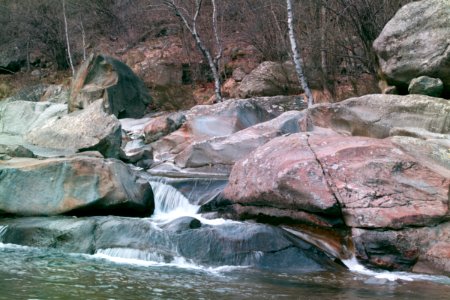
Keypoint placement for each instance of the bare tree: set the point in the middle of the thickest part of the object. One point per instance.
(191, 24)
(298, 61)
(66, 30)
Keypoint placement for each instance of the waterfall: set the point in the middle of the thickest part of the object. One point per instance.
(170, 204)
(2, 231)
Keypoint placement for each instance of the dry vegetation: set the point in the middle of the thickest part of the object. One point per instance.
(335, 37)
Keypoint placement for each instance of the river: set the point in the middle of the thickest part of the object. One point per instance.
(38, 273)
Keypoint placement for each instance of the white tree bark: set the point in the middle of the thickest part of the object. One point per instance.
(298, 61)
(67, 37)
(83, 35)
(192, 27)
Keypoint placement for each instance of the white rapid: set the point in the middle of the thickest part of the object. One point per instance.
(2, 231)
(170, 204)
(354, 266)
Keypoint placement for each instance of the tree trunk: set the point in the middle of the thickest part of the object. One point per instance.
(69, 54)
(192, 27)
(298, 61)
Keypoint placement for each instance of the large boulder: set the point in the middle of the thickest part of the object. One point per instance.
(78, 185)
(19, 117)
(282, 180)
(415, 43)
(374, 183)
(269, 79)
(88, 129)
(228, 150)
(105, 77)
(207, 121)
(379, 185)
(376, 115)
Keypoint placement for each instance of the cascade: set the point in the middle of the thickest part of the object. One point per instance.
(2, 232)
(170, 203)
(353, 265)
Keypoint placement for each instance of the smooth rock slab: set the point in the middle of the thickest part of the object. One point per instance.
(379, 185)
(232, 243)
(228, 150)
(89, 129)
(283, 176)
(78, 185)
(376, 115)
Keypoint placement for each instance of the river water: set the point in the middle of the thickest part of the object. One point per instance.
(34, 273)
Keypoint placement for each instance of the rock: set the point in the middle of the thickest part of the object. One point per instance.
(415, 43)
(269, 79)
(424, 250)
(11, 58)
(182, 224)
(163, 125)
(378, 185)
(228, 150)
(36, 73)
(207, 121)
(56, 94)
(431, 153)
(282, 180)
(390, 90)
(32, 93)
(72, 235)
(89, 129)
(375, 115)
(425, 85)
(19, 117)
(16, 151)
(238, 74)
(232, 243)
(79, 185)
(104, 77)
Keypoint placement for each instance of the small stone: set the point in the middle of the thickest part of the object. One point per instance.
(425, 85)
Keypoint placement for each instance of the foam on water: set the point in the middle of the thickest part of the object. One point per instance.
(170, 204)
(354, 266)
(144, 259)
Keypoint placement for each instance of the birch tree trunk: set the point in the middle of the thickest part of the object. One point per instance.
(213, 62)
(298, 61)
(67, 37)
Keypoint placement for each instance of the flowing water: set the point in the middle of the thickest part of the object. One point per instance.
(34, 273)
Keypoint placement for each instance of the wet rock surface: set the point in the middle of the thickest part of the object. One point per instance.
(79, 185)
(257, 245)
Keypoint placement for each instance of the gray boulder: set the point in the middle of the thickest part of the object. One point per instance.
(78, 185)
(376, 115)
(89, 129)
(269, 79)
(415, 42)
(105, 77)
(425, 85)
(228, 150)
(207, 121)
(19, 117)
